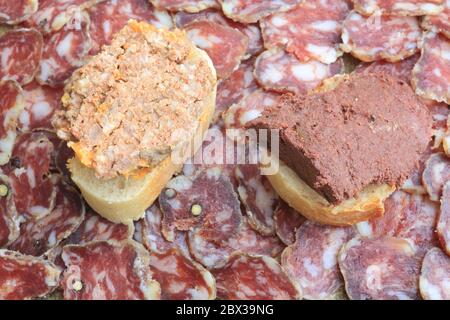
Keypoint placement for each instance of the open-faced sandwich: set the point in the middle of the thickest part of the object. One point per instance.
(126, 112)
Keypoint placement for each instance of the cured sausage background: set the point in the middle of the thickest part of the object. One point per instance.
(220, 231)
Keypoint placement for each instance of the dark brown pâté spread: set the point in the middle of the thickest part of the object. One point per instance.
(371, 129)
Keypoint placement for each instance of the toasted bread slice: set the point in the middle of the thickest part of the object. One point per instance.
(296, 193)
(300, 196)
(123, 199)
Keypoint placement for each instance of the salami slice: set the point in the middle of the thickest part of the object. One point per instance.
(41, 102)
(12, 104)
(9, 220)
(440, 113)
(215, 255)
(414, 183)
(431, 75)
(408, 216)
(258, 197)
(181, 278)
(206, 201)
(440, 22)
(21, 52)
(225, 46)
(24, 277)
(108, 270)
(53, 15)
(380, 269)
(395, 7)
(33, 191)
(109, 17)
(435, 276)
(249, 108)
(287, 221)
(240, 84)
(311, 31)
(380, 37)
(252, 11)
(443, 226)
(185, 5)
(402, 69)
(39, 235)
(14, 12)
(436, 174)
(96, 228)
(312, 260)
(153, 239)
(248, 277)
(93, 228)
(64, 51)
(252, 31)
(283, 72)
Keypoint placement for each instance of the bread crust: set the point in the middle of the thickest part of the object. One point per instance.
(297, 194)
(147, 187)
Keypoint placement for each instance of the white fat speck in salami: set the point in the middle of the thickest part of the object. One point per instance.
(283, 72)
(108, 270)
(180, 277)
(380, 37)
(11, 103)
(185, 5)
(206, 201)
(435, 276)
(312, 260)
(431, 75)
(380, 269)
(399, 7)
(64, 51)
(247, 277)
(32, 189)
(252, 31)
(409, 216)
(440, 22)
(109, 17)
(21, 51)
(225, 46)
(39, 235)
(249, 108)
(240, 84)
(251, 11)
(9, 220)
(14, 12)
(436, 174)
(443, 225)
(152, 237)
(24, 277)
(402, 69)
(287, 221)
(53, 15)
(41, 102)
(312, 30)
(258, 197)
(215, 255)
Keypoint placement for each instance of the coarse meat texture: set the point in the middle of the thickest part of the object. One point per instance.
(108, 127)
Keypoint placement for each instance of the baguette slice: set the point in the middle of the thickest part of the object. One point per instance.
(300, 196)
(297, 194)
(124, 199)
